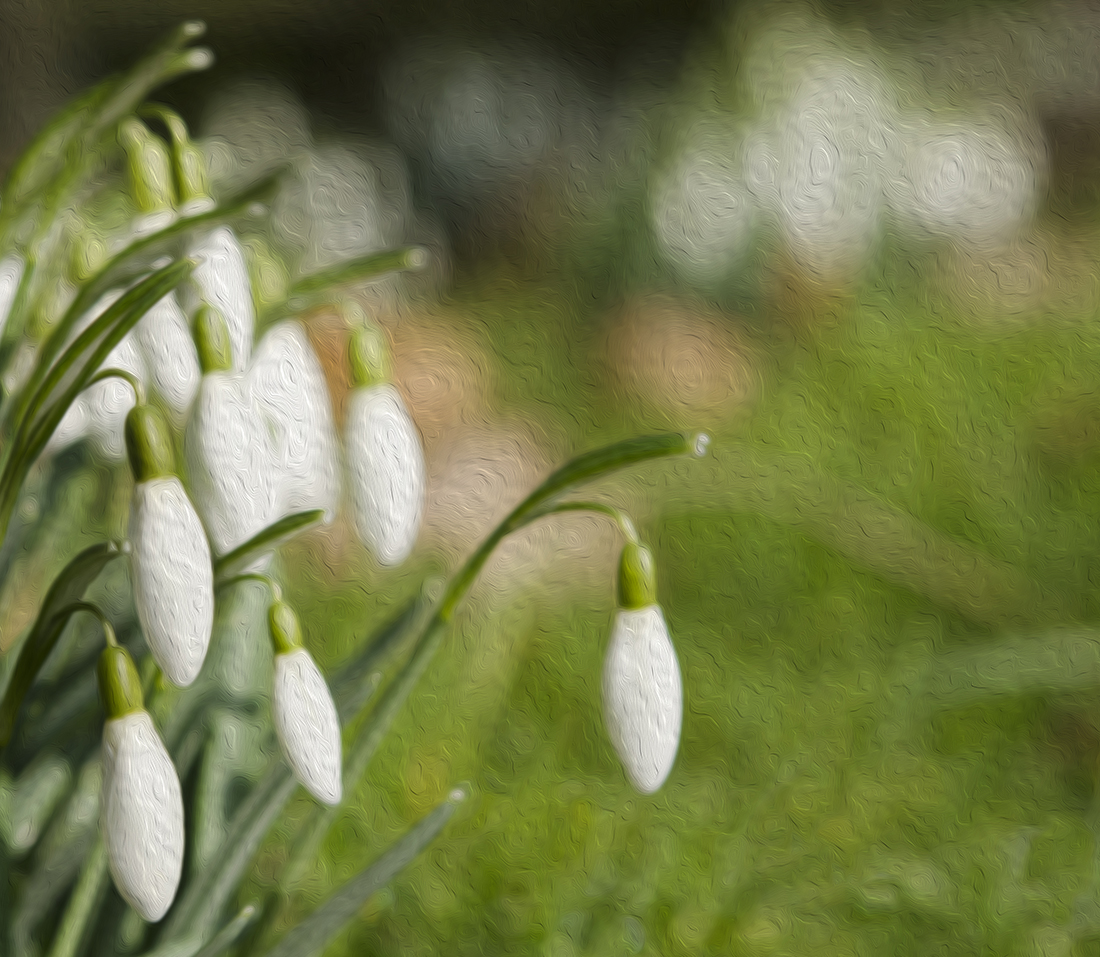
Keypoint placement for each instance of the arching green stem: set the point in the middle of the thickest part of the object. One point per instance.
(128, 377)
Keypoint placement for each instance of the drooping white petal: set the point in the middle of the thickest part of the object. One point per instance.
(169, 352)
(221, 278)
(173, 577)
(290, 389)
(643, 696)
(11, 273)
(230, 463)
(386, 465)
(142, 815)
(306, 722)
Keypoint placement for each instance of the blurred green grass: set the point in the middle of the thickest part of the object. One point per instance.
(830, 796)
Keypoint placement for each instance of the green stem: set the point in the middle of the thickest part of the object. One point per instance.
(537, 505)
(95, 612)
(273, 586)
(83, 902)
(582, 469)
(128, 377)
(619, 517)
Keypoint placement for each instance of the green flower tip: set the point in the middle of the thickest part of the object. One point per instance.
(286, 631)
(119, 684)
(368, 353)
(148, 444)
(637, 577)
(149, 165)
(212, 340)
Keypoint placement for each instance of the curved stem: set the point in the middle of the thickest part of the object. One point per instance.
(86, 606)
(128, 377)
(273, 586)
(619, 517)
(583, 469)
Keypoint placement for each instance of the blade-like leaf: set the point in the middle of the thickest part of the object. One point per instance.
(316, 288)
(207, 896)
(313, 933)
(351, 687)
(78, 128)
(1058, 661)
(221, 942)
(67, 588)
(71, 374)
(244, 555)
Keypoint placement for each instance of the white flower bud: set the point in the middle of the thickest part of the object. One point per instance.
(306, 722)
(387, 472)
(169, 352)
(643, 696)
(221, 278)
(173, 577)
(290, 389)
(11, 274)
(142, 814)
(230, 463)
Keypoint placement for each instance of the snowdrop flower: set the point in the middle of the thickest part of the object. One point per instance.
(142, 801)
(289, 387)
(172, 571)
(384, 457)
(305, 716)
(221, 280)
(228, 448)
(703, 214)
(11, 274)
(642, 691)
(172, 366)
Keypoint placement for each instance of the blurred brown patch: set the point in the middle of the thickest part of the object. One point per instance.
(680, 358)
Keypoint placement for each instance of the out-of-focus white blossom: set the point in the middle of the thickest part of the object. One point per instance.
(172, 576)
(973, 181)
(387, 473)
(290, 390)
(142, 814)
(342, 202)
(230, 461)
(169, 352)
(703, 213)
(643, 696)
(11, 274)
(307, 725)
(221, 280)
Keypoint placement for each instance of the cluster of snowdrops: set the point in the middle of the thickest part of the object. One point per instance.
(164, 360)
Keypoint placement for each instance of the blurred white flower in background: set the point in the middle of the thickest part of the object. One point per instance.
(342, 201)
(251, 128)
(703, 212)
(972, 180)
(292, 395)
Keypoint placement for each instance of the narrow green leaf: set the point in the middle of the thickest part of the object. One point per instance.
(76, 131)
(274, 535)
(317, 930)
(205, 899)
(221, 942)
(35, 648)
(230, 933)
(1062, 660)
(71, 374)
(317, 288)
(351, 687)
